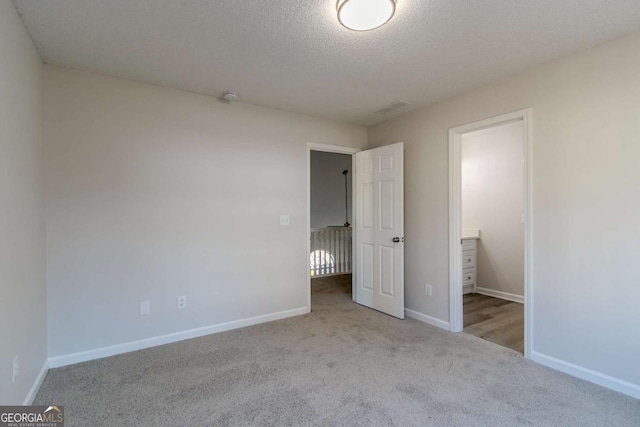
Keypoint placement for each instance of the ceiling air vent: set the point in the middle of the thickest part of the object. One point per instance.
(393, 106)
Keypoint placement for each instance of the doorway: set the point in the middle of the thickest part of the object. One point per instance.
(375, 228)
(330, 201)
(331, 216)
(489, 230)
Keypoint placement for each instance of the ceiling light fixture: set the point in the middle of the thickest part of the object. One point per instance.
(365, 15)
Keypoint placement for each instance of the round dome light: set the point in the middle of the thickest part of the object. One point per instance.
(364, 15)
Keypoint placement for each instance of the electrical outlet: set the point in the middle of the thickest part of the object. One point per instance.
(145, 307)
(16, 369)
(182, 302)
(428, 290)
(285, 220)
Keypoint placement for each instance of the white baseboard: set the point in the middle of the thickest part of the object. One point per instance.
(36, 384)
(99, 353)
(500, 294)
(427, 319)
(604, 380)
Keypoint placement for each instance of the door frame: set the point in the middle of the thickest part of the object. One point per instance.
(312, 146)
(455, 215)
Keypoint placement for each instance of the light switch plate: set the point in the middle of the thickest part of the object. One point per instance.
(284, 220)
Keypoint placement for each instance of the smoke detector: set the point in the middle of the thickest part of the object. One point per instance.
(230, 96)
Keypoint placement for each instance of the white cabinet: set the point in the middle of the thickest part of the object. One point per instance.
(469, 250)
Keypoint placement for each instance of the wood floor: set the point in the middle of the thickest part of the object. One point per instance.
(495, 320)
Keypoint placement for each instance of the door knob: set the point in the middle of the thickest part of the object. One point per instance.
(396, 240)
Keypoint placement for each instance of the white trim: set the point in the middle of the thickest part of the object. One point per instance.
(427, 319)
(36, 384)
(312, 146)
(527, 121)
(590, 375)
(99, 353)
(500, 294)
(455, 231)
(455, 226)
(354, 228)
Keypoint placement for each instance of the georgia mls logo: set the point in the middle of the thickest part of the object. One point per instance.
(57, 412)
(31, 416)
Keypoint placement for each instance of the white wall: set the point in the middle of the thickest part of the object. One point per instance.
(492, 201)
(327, 189)
(154, 193)
(586, 130)
(22, 234)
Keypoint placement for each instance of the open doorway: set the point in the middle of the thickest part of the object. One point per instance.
(330, 257)
(373, 241)
(330, 250)
(493, 234)
(489, 233)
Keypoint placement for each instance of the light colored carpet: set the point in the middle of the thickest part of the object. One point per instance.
(340, 365)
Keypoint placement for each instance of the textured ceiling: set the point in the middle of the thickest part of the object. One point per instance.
(294, 55)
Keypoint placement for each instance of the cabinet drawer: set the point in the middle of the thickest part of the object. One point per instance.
(468, 245)
(469, 276)
(468, 260)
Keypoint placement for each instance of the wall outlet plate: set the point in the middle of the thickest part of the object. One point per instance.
(285, 220)
(182, 302)
(428, 290)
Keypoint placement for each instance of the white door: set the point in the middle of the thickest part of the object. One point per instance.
(379, 229)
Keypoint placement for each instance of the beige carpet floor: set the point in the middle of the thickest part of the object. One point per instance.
(342, 364)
